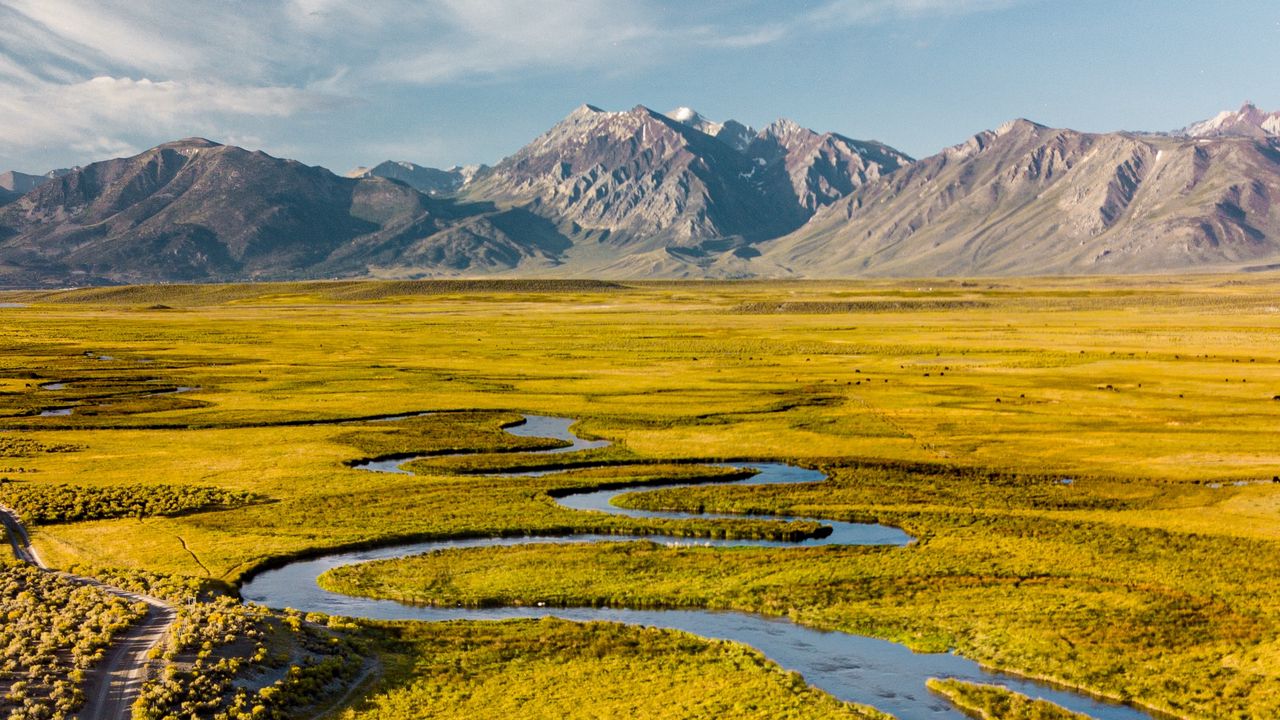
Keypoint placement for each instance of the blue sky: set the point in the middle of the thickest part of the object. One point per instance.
(443, 82)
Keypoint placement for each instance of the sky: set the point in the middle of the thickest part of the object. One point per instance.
(445, 82)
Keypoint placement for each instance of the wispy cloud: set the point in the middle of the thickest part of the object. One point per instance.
(484, 38)
(119, 70)
(846, 12)
(101, 113)
(113, 74)
(840, 15)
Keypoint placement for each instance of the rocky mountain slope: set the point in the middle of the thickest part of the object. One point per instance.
(197, 210)
(821, 168)
(1028, 199)
(641, 192)
(638, 181)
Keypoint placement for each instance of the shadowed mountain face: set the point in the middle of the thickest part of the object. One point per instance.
(196, 210)
(821, 168)
(1027, 199)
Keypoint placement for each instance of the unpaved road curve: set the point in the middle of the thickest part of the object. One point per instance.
(112, 685)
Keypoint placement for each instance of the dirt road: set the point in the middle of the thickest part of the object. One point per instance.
(113, 685)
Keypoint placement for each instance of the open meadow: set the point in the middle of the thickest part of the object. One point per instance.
(1091, 470)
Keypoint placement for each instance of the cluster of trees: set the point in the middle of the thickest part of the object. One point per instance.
(40, 503)
(52, 630)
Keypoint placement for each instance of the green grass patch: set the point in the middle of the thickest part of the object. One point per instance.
(556, 669)
(992, 702)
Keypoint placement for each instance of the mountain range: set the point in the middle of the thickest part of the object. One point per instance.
(640, 193)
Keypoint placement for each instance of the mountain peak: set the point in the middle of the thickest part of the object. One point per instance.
(1019, 125)
(1248, 121)
(786, 127)
(644, 111)
(189, 143)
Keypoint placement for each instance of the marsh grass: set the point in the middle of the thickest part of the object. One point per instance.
(557, 669)
(992, 702)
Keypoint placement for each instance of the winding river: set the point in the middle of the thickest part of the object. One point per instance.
(67, 411)
(851, 667)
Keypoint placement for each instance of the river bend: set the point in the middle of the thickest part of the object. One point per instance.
(851, 667)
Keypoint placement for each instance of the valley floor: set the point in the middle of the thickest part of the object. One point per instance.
(1090, 467)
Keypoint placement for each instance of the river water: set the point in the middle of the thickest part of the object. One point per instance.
(851, 667)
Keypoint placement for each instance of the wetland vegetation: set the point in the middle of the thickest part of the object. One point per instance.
(992, 702)
(1088, 468)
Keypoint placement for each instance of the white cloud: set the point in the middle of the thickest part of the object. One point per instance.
(111, 74)
(99, 146)
(96, 116)
(169, 100)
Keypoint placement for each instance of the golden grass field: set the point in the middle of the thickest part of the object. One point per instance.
(950, 408)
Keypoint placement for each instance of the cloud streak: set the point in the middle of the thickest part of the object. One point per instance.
(114, 74)
(93, 115)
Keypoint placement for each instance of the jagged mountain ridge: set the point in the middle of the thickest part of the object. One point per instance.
(638, 180)
(677, 186)
(1028, 199)
(822, 167)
